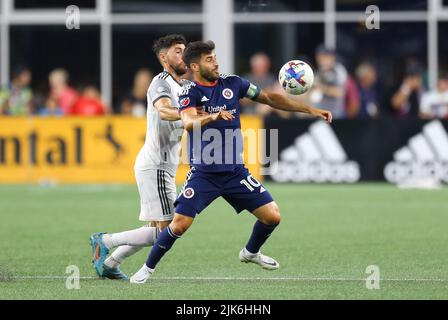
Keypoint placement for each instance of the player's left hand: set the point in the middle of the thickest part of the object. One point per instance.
(324, 114)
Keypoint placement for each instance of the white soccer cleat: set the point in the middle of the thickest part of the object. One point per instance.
(263, 261)
(141, 275)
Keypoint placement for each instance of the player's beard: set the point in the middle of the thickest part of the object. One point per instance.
(179, 69)
(208, 75)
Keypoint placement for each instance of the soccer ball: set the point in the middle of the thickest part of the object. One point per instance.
(296, 77)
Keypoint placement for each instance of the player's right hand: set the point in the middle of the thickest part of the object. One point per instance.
(224, 115)
(324, 114)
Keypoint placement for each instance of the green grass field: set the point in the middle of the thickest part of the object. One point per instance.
(328, 236)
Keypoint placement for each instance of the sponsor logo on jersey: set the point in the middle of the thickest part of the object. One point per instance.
(424, 157)
(214, 109)
(185, 102)
(227, 93)
(315, 156)
(204, 99)
(188, 193)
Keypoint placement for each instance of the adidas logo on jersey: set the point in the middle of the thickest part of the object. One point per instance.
(316, 156)
(204, 99)
(424, 157)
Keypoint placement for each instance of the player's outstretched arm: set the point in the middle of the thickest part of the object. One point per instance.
(191, 118)
(166, 109)
(279, 101)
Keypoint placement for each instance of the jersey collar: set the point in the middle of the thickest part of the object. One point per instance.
(206, 85)
(172, 77)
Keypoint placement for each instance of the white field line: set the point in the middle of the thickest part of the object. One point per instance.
(42, 277)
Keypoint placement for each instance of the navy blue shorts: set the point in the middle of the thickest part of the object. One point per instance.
(239, 188)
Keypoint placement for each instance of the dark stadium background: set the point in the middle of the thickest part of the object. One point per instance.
(42, 47)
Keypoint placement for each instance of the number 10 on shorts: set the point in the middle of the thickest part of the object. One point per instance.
(251, 183)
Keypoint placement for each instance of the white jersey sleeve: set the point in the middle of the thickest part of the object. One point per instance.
(162, 144)
(160, 89)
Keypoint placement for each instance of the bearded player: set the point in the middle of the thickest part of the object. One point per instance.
(155, 165)
(224, 175)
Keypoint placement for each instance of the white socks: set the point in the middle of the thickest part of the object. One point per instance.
(128, 243)
(121, 253)
(144, 236)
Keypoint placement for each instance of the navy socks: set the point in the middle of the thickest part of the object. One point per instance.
(260, 234)
(163, 243)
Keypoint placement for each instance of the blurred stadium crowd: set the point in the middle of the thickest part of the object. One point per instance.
(356, 95)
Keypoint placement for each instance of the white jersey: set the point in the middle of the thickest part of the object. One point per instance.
(162, 144)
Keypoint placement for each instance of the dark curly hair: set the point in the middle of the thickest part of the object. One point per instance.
(195, 50)
(167, 41)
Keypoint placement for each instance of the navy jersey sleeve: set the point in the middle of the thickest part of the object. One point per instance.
(187, 98)
(248, 89)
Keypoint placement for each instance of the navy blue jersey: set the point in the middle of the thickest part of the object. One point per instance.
(218, 147)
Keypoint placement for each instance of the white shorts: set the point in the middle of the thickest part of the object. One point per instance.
(157, 189)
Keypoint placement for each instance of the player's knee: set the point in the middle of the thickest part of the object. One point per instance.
(178, 228)
(180, 224)
(274, 216)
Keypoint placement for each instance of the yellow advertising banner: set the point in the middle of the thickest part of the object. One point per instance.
(86, 150)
